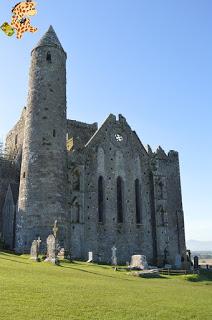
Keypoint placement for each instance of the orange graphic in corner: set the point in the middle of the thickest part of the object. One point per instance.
(20, 19)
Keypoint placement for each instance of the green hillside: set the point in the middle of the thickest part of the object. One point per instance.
(30, 290)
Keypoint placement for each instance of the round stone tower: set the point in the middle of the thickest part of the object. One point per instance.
(43, 184)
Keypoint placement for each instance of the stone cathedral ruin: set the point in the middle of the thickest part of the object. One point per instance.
(102, 185)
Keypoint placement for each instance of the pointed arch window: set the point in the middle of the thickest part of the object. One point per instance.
(100, 199)
(119, 200)
(138, 201)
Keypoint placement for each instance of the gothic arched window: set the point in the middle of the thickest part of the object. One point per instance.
(119, 200)
(138, 201)
(100, 199)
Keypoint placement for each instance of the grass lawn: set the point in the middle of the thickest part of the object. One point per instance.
(30, 290)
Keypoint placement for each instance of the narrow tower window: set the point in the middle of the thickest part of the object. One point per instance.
(16, 139)
(100, 199)
(119, 200)
(49, 57)
(138, 201)
(54, 133)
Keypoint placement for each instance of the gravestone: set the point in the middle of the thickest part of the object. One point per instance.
(51, 249)
(114, 257)
(178, 262)
(34, 252)
(139, 262)
(61, 254)
(196, 262)
(52, 246)
(90, 256)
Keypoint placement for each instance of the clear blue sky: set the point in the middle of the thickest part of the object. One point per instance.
(150, 60)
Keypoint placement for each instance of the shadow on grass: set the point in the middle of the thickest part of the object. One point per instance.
(16, 261)
(204, 275)
(109, 276)
(9, 253)
(94, 273)
(155, 278)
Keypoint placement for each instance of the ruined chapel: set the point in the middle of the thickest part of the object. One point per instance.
(101, 184)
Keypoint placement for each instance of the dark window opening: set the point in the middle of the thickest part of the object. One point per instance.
(24, 175)
(49, 57)
(77, 213)
(160, 189)
(119, 200)
(16, 139)
(138, 201)
(54, 133)
(100, 199)
(76, 180)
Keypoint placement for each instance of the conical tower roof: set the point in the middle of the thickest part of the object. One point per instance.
(49, 39)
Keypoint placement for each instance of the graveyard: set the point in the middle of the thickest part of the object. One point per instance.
(80, 290)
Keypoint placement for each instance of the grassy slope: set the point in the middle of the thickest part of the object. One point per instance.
(31, 290)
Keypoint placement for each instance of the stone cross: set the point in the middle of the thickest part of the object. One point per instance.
(114, 257)
(55, 229)
(39, 242)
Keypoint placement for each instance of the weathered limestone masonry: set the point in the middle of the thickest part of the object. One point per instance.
(8, 175)
(169, 233)
(115, 154)
(101, 184)
(15, 138)
(42, 195)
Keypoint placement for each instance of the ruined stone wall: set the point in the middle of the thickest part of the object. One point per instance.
(15, 137)
(80, 132)
(8, 174)
(9, 216)
(170, 235)
(110, 158)
(75, 201)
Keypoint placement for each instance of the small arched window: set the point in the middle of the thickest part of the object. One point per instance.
(100, 199)
(138, 201)
(119, 200)
(49, 57)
